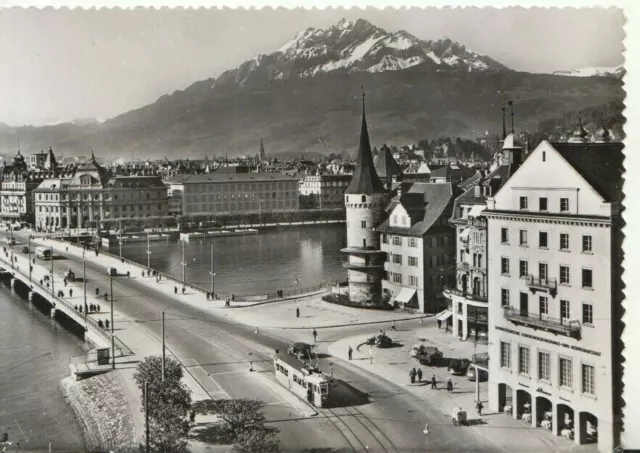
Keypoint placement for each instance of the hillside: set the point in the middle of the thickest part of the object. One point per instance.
(306, 97)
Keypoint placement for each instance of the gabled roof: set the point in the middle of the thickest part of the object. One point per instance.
(437, 200)
(385, 165)
(365, 179)
(600, 164)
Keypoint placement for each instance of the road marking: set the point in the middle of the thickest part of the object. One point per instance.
(220, 389)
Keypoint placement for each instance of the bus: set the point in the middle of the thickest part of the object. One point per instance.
(44, 253)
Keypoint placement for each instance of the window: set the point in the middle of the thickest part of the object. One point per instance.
(413, 242)
(505, 355)
(564, 205)
(564, 275)
(523, 237)
(564, 241)
(413, 261)
(397, 240)
(544, 156)
(543, 272)
(587, 313)
(363, 224)
(588, 379)
(543, 204)
(504, 266)
(524, 203)
(504, 235)
(397, 259)
(565, 373)
(397, 277)
(364, 198)
(544, 366)
(587, 278)
(524, 268)
(523, 364)
(395, 219)
(413, 280)
(587, 243)
(384, 239)
(544, 305)
(504, 297)
(565, 310)
(542, 240)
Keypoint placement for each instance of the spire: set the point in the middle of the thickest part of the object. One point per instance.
(365, 179)
(580, 134)
(504, 126)
(602, 134)
(513, 131)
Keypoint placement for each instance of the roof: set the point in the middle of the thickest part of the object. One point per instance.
(365, 179)
(600, 164)
(385, 164)
(437, 201)
(137, 182)
(229, 177)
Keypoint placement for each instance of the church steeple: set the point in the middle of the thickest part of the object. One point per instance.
(365, 179)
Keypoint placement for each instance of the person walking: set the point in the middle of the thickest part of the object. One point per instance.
(419, 375)
(70, 292)
(449, 386)
(439, 323)
(98, 308)
(315, 335)
(393, 324)
(106, 323)
(100, 323)
(412, 375)
(128, 274)
(183, 290)
(479, 407)
(175, 290)
(297, 312)
(350, 352)
(80, 308)
(433, 382)
(75, 307)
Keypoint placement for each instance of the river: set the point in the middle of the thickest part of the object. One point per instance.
(36, 352)
(282, 258)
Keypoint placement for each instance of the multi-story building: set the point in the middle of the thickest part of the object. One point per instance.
(88, 195)
(419, 245)
(365, 200)
(554, 238)
(469, 303)
(223, 193)
(323, 191)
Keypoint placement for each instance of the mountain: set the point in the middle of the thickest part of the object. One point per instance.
(305, 97)
(596, 71)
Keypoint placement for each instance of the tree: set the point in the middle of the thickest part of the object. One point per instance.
(245, 422)
(169, 404)
(257, 441)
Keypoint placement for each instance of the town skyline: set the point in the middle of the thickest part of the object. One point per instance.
(152, 53)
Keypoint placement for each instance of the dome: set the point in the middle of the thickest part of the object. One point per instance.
(18, 159)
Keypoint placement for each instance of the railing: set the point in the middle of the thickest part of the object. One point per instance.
(463, 266)
(467, 295)
(549, 284)
(537, 320)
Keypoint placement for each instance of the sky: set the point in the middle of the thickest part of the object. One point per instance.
(60, 65)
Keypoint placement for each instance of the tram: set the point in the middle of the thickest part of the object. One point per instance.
(302, 379)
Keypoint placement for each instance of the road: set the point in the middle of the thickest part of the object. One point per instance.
(382, 417)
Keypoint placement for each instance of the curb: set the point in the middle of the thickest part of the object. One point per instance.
(351, 324)
(272, 301)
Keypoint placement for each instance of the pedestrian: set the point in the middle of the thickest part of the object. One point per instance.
(70, 292)
(65, 281)
(297, 312)
(128, 274)
(100, 323)
(97, 291)
(350, 353)
(449, 386)
(41, 282)
(143, 273)
(433, 382)
(439, 323)
(91, 308)
(183, 290)
(98, 308)
(393, 324)
(106, 296)
(175, 290)
(207, 296)
(75, 307)
(315, 335)
(80, 308)
(419, 375)
(479, 407)
(226, 301)
(412, 375)
(106, 323)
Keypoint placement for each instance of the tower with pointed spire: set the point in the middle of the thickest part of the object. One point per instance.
(262, 155)
(365, 202)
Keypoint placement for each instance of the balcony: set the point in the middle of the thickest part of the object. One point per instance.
(463, 266)
(549, 285)
(466, 295)
(570, 328)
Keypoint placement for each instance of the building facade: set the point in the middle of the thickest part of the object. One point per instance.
(419, 245)
(365, 201)
(554, 232)
(323, 191)
(229, 193)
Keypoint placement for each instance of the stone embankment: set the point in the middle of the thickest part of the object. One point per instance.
(103, 411)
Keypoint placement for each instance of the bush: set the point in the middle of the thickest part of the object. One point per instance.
(343, 299)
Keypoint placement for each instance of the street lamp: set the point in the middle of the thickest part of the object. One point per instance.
(51, 248)
(84, 283)
(184, 265)
(149, 252)
(29, 259)
(113, 340)
(212, 273)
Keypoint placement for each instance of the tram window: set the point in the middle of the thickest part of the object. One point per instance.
(324, 389)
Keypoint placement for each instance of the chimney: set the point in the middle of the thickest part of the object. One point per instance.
(476, 190)
(399, 190)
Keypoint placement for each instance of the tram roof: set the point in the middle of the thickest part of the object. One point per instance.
(293, 361)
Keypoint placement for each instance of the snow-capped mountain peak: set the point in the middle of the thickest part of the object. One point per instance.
(596, 71)
(358, 46)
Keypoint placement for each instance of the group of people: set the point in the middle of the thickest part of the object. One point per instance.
(91, 308)
(175, 290)
(417, 373)
(103, 325)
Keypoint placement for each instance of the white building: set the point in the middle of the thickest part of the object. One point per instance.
(554, 232)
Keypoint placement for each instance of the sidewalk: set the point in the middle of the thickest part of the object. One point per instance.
(394, 364)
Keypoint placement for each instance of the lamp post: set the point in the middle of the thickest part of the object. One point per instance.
(184, 265)
(84, 284)
(120, 244)
(113, 339)
(163, 347)
(149, 253)
(212, 273)
(29, 260)
(51, 248)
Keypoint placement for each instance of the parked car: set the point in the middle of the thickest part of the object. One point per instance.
(429, 356)
(458, 366)
(10, 240)
(300, 350)
(417, 349)
(70, 275)
(25, 249)
(471, 374)
(112, 271)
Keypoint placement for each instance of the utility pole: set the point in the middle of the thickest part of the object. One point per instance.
(29, 260)
(51, 248)
(163, 348)
(148, 252)
(84, 284)
(184, 265)
(146, 416)
(212, 273)
(113, 339)
(120, 244)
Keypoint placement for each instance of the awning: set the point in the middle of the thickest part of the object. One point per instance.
(465, 234)
(476, 211)
(444, 315)
(405, 295)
